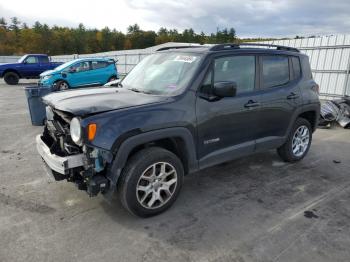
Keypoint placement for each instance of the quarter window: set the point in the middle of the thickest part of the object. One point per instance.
(275, 71)
(207, 83)
(296, 67)
(239, 69)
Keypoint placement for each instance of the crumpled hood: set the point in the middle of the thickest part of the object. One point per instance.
(89, 101)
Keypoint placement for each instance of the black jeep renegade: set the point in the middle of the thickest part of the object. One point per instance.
(179, 111)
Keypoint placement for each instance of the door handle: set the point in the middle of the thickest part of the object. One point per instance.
(251, 103)
(292, 96)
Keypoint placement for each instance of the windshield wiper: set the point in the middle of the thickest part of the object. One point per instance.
(135, 90)
(139, 91)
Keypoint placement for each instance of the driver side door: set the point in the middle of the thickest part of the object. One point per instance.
(31, 67)
(227, 127)
(79, 74)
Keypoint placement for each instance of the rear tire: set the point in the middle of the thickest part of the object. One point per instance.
(61, 85)
(150, 182)
(298, 142)
(112, 78)
(11, 78)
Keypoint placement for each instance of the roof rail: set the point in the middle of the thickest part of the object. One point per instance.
(236, 46)
(178, 47)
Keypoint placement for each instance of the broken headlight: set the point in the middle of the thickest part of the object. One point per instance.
(75, 131)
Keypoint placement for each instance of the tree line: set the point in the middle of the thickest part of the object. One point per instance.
(18, 38)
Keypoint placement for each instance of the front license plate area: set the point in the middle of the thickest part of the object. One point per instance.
(53, 174)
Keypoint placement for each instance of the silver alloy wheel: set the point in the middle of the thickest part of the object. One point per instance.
(300, 142)
(156, 185)
(63, 86)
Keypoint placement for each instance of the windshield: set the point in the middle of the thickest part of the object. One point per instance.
(22, 58)
(63, 66)
(162, 73)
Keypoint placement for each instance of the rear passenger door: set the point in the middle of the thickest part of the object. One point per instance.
(99, 72)
(280, 97)
(44, 63)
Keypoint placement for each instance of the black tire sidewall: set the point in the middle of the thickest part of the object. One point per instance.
(299, 122)
(58, 84)
(112, 78)
(135, 167)
(11, 74)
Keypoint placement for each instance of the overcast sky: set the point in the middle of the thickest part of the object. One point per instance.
(250, 18)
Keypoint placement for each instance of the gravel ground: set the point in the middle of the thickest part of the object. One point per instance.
(253, 209)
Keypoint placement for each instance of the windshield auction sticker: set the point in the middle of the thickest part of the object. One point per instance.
(185, 58)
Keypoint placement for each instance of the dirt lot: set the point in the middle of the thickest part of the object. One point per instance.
(253, 209)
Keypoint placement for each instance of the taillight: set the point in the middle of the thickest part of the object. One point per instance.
(316, 88)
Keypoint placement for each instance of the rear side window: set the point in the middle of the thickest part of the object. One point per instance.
(98, 64)
(296, 67)
(43, 59)
(275, 71)
(239, 69)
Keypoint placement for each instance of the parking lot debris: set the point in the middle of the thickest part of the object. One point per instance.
(310, 214)
(336, 161)
(336, 111)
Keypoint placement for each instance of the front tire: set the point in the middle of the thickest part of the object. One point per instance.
(298, 142)
(61, 85)
(150, 182)
(11, 78)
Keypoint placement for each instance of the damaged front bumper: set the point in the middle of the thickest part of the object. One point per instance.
(76, 168)
(61, 165)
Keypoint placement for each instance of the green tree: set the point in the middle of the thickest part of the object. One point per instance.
(15, 23)
(19, 38)
(3, 23)
(133, 29)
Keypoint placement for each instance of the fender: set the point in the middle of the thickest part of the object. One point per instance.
(302, 109)
(11, 70)
(130, 143)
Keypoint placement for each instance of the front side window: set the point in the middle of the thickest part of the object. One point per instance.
(80, 67)
(275, 71)
(32, 60)
(166, 73)
(239, 69)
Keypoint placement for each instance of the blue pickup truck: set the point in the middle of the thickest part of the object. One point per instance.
(28, 66)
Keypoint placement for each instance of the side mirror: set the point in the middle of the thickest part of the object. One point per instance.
(25, 62)
(225, 89)
(64, 74)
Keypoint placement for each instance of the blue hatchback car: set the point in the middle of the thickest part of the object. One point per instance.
(80, 73)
